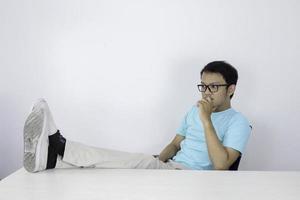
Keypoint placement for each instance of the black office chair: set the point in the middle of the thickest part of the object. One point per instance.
(235, 165)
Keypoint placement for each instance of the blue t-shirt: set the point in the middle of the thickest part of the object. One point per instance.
(232, 129)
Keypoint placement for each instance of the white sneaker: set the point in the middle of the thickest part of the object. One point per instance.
(38, 126)
(41, 103)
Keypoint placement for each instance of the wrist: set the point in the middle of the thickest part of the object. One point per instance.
(207, 123)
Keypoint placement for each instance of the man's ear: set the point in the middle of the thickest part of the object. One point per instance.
(231, 89)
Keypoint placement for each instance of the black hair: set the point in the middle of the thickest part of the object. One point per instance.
(228, 72)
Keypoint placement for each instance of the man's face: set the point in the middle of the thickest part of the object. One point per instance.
(221, 98)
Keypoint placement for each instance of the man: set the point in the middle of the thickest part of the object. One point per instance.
(212, 135)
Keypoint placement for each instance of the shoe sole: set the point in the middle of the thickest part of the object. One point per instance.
(35, 144)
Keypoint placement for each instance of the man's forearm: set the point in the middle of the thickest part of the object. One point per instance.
(216, 150)
(168, 152)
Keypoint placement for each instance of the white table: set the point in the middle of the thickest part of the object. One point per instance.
(140, 184)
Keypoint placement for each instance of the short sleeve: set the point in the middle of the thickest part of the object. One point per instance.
(181, 130)
(238, 133)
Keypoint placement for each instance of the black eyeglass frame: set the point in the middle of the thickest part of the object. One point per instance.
(207, 86)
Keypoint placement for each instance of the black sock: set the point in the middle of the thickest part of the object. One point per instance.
(58, 143)
(52, 158)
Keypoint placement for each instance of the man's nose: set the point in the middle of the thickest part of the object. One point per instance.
(207, 92)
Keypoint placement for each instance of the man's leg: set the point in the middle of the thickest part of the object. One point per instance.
(84, 156)
(51, 149)
(81, 155)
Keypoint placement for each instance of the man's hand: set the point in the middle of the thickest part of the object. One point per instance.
(205, 106)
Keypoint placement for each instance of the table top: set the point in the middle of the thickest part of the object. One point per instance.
(155, 184)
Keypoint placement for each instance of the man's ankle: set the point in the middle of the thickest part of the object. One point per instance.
(58, 143)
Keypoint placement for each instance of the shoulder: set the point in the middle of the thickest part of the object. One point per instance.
(193, 109)
(239, 118)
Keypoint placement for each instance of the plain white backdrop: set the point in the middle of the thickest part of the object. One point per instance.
(122, 74)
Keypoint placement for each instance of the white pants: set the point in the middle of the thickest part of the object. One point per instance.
(80, 155)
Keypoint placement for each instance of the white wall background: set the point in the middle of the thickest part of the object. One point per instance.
(122, 74)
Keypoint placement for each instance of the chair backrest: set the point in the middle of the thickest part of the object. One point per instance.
(235, 165)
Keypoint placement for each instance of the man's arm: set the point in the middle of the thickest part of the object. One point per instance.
(171, 149)
(221, 157)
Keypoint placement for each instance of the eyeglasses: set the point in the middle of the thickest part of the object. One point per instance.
(211, 88)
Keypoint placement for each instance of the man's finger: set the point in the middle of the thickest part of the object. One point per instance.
(204, 100)
(199, 102)
(208, 99)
